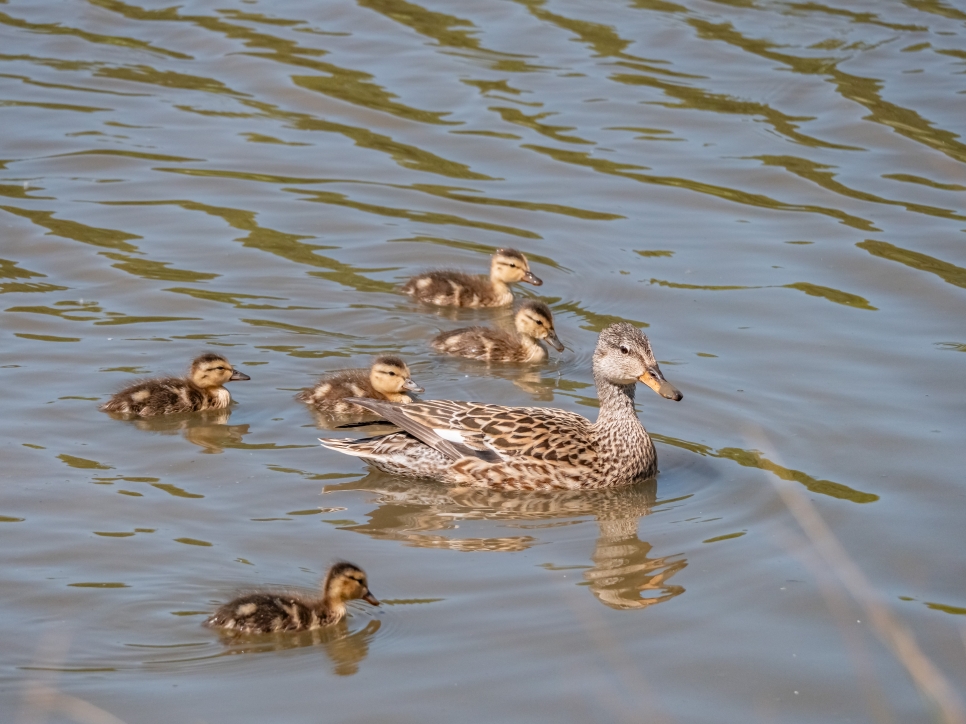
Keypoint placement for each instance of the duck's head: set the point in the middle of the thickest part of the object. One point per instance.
(535, 320)
(213, 370)
(390, 375)
(510, 266)
(623, 356)
(346, 582)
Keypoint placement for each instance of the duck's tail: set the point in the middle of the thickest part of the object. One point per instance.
(349, 446)
(398, 453)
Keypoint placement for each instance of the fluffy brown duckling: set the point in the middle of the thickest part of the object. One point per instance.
(455, 289)
(201, 390)
(385, 380)
(533, 322)
(272, 611)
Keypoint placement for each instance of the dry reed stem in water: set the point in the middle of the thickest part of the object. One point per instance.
(927, 677)
(41, 698)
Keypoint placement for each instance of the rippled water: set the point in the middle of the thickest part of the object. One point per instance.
(773, 189)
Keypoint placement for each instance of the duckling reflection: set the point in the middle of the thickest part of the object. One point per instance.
(535, 385)
(540, 385)
(208, 430)
(623, 574)
(345, 650)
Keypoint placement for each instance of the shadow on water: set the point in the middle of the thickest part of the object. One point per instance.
(208, 430)
(540, 380)
(623, 574)
(325, 420)
(345, 650)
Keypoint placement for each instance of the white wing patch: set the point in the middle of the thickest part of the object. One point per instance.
(451, 435)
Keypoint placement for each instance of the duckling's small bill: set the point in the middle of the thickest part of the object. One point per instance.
(554, 341)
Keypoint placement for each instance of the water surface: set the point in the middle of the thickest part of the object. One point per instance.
(774, 191)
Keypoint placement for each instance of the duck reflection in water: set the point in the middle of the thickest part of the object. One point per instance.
(624, 574)
(208, 430)
(346, 651)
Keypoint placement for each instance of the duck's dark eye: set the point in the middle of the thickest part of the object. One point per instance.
(540, 322)
(624, 349)
(220, 368)
(391, 373)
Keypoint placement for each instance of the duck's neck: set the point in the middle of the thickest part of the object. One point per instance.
(533, 351)
(501, 292)
(620, 435)
(219, 396)
(334, 608)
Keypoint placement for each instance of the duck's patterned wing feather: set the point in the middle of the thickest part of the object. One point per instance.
(438, 437)
(492, 432)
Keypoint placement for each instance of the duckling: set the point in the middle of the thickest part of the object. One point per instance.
(385, 380)
(533, 322)
(272, 611)
(455, 289)
(200, 390)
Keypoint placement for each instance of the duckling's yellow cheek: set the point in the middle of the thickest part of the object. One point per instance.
(246, 609)
(140, 395)
(423, 283)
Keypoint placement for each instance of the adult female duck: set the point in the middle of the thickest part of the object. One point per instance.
(527, 448)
